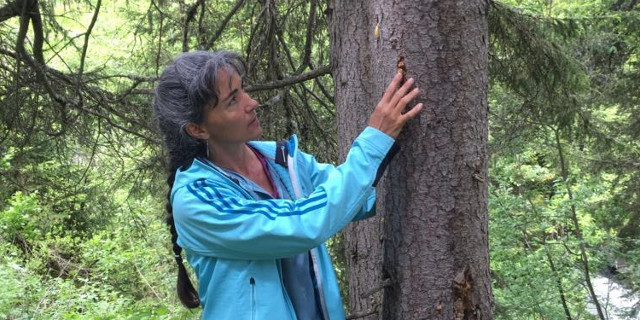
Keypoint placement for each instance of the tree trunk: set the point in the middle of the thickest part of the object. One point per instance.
(425, 255)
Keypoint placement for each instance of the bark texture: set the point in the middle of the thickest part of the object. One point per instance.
(425, 255)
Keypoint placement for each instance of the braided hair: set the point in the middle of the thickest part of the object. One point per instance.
(186, 88)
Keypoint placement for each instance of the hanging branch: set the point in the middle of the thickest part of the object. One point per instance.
(574, 217)
(285, 47)
(324, 90)
(306, 57)
(191, 13)
(252, 34)
(552, 266)
(66, 80)
(223, 25)
(86, 38)
(201, 28)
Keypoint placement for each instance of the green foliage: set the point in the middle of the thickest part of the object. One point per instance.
(117, 273)
(17, 222)
(554, 115)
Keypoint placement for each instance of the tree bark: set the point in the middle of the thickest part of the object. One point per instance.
(425, 255)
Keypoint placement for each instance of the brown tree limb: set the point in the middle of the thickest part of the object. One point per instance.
(24, 27)
(10, 10)
(34, 63)
(290, 80)
(38, 35)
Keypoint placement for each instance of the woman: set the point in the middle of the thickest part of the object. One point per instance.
(252, 216)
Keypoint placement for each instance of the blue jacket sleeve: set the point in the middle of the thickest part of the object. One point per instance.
(215, 220)
(318, 173)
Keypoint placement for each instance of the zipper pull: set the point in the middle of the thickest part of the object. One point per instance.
(284, 156)
(252, 281)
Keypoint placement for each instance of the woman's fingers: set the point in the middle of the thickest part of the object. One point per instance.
(389, 116)
(407, 98)
(392, 88)
(412, 112)
(401, 92)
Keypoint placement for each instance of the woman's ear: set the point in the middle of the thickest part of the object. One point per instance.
(197, 131)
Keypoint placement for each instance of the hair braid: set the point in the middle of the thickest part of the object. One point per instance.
(186, 292)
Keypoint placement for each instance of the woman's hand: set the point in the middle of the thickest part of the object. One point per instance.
(388, 116)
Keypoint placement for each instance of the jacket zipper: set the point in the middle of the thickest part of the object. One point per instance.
(284, 157)
(318, 280)
(252, 282)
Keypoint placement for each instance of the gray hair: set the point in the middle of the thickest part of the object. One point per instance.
(185, 89)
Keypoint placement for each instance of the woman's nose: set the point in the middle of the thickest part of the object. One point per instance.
(252, 104)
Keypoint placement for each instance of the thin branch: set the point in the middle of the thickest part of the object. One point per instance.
(93, 155)
(62, 78)
(324, 90)
(201, 29)
(285, 47)
(311, 114)
(376, 288)
(223, 25)
(191, 12)
(324, 104)
(359, 315)
(616, 164)
(86, 38)
(114, 124)
(306, 58)
(574, 217)
(291, 80)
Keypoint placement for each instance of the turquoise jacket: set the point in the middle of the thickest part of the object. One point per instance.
(234, 243)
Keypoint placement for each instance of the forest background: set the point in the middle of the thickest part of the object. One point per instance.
(82, 168)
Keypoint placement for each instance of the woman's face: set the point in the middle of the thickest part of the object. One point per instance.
(234, 118)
